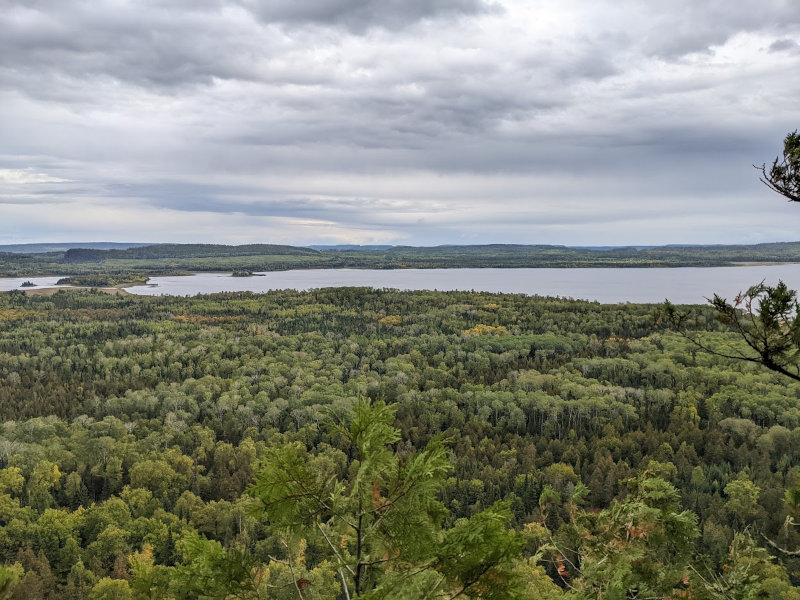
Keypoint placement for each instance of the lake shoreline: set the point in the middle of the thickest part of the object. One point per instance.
(689, 285)
(639, 285)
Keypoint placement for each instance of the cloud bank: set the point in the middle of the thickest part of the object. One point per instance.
(395, 121)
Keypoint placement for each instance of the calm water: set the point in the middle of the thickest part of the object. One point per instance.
(685, 285)
(15, 283)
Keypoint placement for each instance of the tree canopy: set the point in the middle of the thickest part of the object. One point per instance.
(147, 444)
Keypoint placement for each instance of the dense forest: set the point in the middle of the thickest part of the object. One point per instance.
(347, 443)
(136, 262)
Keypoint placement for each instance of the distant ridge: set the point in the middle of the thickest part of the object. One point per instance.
(64, 246)
(334, 247)
(177, 250)
(156, 251)
(117, 262)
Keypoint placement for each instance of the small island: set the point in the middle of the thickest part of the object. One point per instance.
(27, 284)
(101, 280)
(242, 273)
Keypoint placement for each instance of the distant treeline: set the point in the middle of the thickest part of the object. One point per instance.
(181, 251)
(64, 246)
(161, 259)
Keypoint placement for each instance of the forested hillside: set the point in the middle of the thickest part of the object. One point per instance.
(349, 443)
(184, 258)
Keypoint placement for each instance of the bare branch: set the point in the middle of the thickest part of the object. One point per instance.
(779, 549)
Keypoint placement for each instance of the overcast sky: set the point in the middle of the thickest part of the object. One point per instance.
(580, 122)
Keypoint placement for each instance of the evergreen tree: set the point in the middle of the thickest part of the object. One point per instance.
(373, 514)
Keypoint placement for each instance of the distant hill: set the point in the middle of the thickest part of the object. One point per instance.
(137, 260)
(157, 251)
(64, 246)
(343, 247)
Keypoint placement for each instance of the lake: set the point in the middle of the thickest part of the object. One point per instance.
(684, 285)
(15, 283)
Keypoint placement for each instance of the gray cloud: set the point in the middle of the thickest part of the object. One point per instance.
(688, 27)
(360, 15)
(784, 45)
(420, 121)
